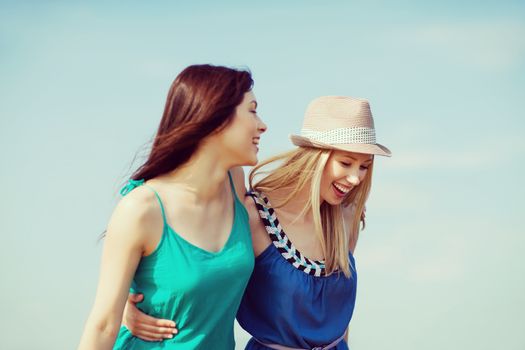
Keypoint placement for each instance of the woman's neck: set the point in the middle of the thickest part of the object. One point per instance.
(295, 206)
(203, 176)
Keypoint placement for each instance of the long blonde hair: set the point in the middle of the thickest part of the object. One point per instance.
(300, 168)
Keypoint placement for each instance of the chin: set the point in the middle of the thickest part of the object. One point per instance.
(246, 159)
(334, 201)
(250, 161)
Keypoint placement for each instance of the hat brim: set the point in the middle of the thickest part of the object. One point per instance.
(364, 148)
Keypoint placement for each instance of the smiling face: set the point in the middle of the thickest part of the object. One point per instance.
(343, 172)
(240, 139)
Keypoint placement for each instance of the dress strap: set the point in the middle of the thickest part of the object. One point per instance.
(281, 241)
(261, 203)
(232, 185)
(132, 184)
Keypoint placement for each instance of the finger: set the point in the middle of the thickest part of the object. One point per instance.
(138, 317)
(150, 339)
(144, 319)
(135, 298)
(143, 334)
(157, 330)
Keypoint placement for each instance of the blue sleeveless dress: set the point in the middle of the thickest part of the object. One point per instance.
(289, 300)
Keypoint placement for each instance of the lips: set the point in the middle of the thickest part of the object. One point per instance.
(340, 190)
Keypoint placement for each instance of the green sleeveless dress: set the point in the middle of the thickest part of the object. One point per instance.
(199, 290)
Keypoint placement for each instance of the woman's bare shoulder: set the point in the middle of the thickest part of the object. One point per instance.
(249, 204)
(136, 215)
(260, 238)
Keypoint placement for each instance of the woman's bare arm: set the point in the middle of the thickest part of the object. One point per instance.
(124, 245)
(144, 326)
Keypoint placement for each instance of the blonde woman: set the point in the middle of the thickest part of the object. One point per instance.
(305, 217)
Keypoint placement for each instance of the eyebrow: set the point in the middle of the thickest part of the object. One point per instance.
(368, 160)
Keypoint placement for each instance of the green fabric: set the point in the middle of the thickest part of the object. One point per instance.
(197, 289)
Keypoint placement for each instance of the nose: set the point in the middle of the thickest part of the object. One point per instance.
(261, 126)
(353, 179)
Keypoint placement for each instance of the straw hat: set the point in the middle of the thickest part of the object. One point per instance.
(342, 123)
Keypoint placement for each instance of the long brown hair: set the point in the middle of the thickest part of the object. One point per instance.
(201, 101)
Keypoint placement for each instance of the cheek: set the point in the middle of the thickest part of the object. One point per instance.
(242, 121)
(245, 129)
(240, 131)
(338, 172)
(324, 190)
(362, 174)
(328, 176)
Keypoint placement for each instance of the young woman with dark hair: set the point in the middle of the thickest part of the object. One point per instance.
(181, 236)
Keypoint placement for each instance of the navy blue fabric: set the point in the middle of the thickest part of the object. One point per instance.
(283, 305)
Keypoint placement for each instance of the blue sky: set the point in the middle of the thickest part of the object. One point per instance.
(82, 89)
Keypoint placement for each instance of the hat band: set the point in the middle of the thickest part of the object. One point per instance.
(342, 135)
